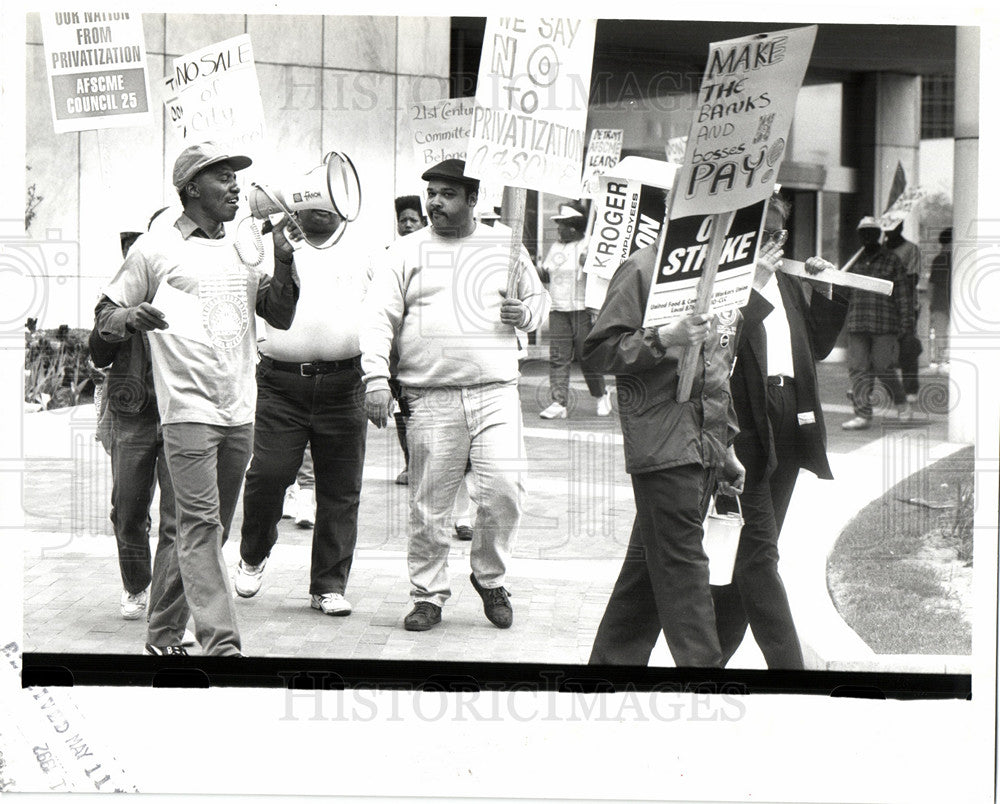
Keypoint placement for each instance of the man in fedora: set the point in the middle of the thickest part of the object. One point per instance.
(442, 296)
(569, 319)
(203, 287)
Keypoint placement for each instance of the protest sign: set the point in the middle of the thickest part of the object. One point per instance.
(97, 69)
(628, 217)
(440, 129)
(741, 120)
(904, 204)
(172, 109)
(603, 153)
(685, 257)
(530, 117)
(837, 276)
(676, 146)
(217, 89)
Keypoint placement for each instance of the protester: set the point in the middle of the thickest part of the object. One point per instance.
(910, 347)
(776, 395)
(203, 377)
(442, 296)
(410, 218)
(129, 429)
(308, 393)
(677, 454)
(940, 304)
(569, 320)
(875, 324)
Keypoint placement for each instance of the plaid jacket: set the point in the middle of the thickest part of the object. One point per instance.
(876, 314)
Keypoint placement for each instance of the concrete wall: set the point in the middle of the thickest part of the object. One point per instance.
(325, 82)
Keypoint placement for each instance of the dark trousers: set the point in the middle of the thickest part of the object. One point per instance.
(663, 583)
(137, 464)
(325, 411)
(873, 359)
(757, 595)
(567, 332)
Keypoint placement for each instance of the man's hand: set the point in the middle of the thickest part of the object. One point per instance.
(377, 406)
(815, 265)
(690, 331)
(144, 318)
(283, 235)
(513, 311)
(768, 261)
(733, 475)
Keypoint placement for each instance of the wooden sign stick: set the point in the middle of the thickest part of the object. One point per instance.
(512, 215)
(689, 362)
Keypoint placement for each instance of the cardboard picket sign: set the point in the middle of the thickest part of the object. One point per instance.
(96, 65)
(439, 129)
(674, 292)
(603, 153)
(219, 95)
(739, 128)
(628, 217)
(530, 118)
(628, 212)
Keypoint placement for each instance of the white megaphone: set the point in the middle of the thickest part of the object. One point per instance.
(332, 185)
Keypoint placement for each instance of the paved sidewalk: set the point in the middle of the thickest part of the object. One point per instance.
(576, 523)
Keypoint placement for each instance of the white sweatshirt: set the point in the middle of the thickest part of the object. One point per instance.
(440, 298)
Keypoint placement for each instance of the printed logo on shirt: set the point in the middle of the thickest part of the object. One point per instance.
(224, 308)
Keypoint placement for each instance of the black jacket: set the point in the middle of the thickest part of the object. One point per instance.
(814, 327)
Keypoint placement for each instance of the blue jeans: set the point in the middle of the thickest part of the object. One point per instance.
(448, 430)
(326, 412)
(206, 463)
(137, 464)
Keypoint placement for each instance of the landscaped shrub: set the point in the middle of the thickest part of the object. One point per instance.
(57, 368)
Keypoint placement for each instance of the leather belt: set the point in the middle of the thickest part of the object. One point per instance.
(314, 367)
(779, 380)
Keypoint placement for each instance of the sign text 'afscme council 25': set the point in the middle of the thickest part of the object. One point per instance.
(97, 69)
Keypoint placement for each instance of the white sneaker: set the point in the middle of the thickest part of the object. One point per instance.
(857, 423)
(554, 411)
(291, 495)
(332, 603)
(305, 508)
(134, 606)
(248, 578)
(604, 404)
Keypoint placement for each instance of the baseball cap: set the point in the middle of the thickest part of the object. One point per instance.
(869, 222)
(450, 170)
(195, 158)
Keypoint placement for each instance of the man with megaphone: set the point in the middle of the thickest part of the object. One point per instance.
(308, 392)
(189, 286)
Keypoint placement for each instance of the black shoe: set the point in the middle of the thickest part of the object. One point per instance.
(463, 533)
(170, 650)
(424, 617)
(496, 604)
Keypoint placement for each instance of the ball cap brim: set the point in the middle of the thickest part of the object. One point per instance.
(195, 158)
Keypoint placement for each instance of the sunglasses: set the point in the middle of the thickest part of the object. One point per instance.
(776, 236)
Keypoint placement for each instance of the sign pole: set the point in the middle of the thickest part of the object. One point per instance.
(721, 222)
(512, 215)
